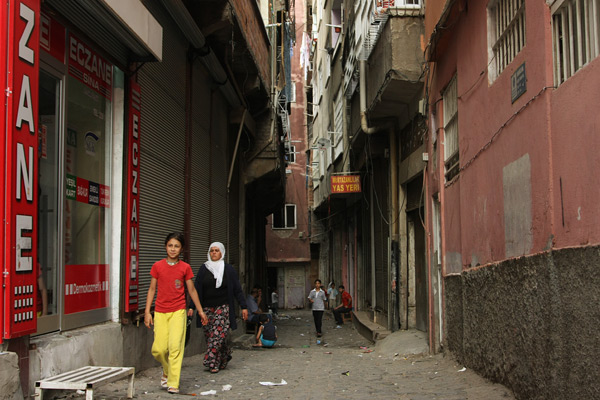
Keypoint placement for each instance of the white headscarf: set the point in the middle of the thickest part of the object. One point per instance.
(216, 267)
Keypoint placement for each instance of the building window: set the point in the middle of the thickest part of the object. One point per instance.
(292, 92)
(285, 218)
(451, 154)
(575, 36)
(506, 26)
(399, 3)
(290, 153)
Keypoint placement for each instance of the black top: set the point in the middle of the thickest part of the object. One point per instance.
(268, 332)
(234, 291)
(211, 295)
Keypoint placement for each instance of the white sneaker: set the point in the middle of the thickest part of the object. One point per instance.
(338, 327)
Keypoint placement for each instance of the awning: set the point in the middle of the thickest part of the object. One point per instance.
(123, 28)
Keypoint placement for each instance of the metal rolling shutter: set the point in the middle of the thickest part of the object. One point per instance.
(162, 152)
(200, 168)
(365, 268)
(381, 233)
(234, 219)
(220, 169)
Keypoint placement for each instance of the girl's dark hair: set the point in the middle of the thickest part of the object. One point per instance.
(318, 280)
(176, 235)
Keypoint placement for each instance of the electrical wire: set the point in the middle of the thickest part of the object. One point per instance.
(498, 132)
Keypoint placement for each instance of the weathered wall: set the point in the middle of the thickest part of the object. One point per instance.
(10, 381)
(530, 323)
(110, 344)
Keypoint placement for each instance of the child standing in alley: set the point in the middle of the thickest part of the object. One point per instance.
(317, 297)
(170, 277)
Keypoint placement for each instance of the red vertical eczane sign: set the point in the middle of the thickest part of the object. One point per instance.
(133, 199)
(20, 179)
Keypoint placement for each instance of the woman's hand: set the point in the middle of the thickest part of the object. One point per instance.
(245, 314)
(203, 317)
(190, 313)
(148, 320)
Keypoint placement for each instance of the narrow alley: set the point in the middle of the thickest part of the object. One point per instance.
(343, 366)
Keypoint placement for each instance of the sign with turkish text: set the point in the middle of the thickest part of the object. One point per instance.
(20, 59)
(345, 184)
(89, 67)
(86, 287)
(52, 37)
(133, 199)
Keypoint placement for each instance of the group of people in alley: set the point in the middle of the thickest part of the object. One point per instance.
(320, 299)
(213, 294)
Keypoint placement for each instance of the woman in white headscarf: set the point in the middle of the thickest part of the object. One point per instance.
(217, 284)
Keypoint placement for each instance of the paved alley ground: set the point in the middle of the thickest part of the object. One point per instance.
(343, 366)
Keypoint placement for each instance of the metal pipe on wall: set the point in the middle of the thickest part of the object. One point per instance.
(194, 35)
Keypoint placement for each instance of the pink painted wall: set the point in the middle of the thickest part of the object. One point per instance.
(575, 138)
(286, 245)
(480, 207)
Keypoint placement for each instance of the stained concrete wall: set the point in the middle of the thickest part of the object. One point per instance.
(530, 323)
(110, 344)
(9, 376)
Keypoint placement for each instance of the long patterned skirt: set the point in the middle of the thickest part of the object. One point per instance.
(218, 352)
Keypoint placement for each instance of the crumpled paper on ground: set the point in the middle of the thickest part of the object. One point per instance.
(283, 382)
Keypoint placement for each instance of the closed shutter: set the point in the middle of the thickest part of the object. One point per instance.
(162, 152)
(381, 233)
(365, 268)
(220, 171)
(233, 255)
(200, 191)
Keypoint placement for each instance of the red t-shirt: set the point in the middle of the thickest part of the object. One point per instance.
(346, 299)
(170, 285)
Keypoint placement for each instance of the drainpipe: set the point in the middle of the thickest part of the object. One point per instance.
(363, 100)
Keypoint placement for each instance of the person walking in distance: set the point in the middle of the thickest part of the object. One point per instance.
(317, 298)
(218, 287)
(343, 308)
(170, 277)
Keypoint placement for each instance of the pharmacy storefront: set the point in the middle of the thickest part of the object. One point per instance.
(69, 147)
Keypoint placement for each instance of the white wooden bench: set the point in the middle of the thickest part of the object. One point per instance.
(86, 378)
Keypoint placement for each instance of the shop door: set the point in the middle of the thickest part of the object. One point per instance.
(49, 215)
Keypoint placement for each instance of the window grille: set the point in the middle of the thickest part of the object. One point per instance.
(575, 36)
(451, 154)
(507, 33)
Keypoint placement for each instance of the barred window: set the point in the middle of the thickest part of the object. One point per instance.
(451, 158)
(506, 32)
(575, 36)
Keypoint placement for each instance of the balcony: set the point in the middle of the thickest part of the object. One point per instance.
(395, 62)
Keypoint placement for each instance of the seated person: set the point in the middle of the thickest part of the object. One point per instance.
(253, 310)
(267, 333)
(343, 308)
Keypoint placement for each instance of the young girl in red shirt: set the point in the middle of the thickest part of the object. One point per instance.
(170, 277)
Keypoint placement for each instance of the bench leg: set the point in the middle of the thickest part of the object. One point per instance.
(130, 388)
(39, 393)
(89, 394)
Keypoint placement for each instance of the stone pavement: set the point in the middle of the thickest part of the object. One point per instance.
(343, 366)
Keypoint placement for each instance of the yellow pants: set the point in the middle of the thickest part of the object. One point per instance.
(169, 343)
